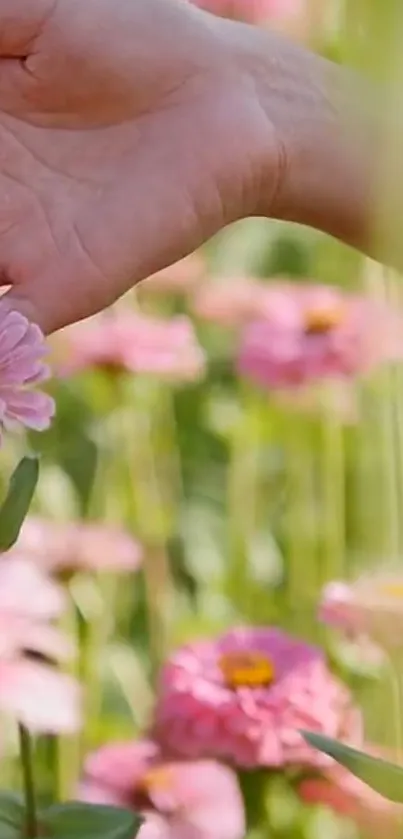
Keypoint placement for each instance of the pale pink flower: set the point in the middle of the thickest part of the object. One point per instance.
(22, 349)
(39, 696)
(372, 605)
(252, 11)
(61, 548)
(307, 334)
(230, 302)
(181, 277)
(346, 795)
(136, 343)
(244, 696)
(195, 800)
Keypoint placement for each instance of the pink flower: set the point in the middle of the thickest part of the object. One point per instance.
(137, 343)
(65, 548)
(229, 303)
(22, 349)
(372, 605)
(346, 795)
(307, 334)
(251, 11)
(181, 277)
(34, 692)
(199, 800)
(243, 698)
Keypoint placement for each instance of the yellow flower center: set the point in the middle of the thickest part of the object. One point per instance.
(322, 319)
(248, 669)
(392, 589)
(159, 778)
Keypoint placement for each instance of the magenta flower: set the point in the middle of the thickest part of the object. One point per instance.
(181, 277)
(137, 343)
(371, 606)
(243, 698)
(349, 797)
(31, 690)
(61, 548)
(230, 303)
(252, 11)
(199, 800)
(22, 349)
(307, 334)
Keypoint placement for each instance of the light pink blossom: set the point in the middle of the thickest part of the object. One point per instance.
(22, 349)
(231, 302)
(136, 343)
(244, 696)
(181, 277)
(31, 690)
(372, 605)
(252, 11)
(195, 800)
(346, 795)
(307, 334)
(61, 548)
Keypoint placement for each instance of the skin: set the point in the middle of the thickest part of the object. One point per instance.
(132, 131)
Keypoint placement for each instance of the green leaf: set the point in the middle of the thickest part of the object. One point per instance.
(18, 500)
(11, 815)
(75, 820)
(382, 776)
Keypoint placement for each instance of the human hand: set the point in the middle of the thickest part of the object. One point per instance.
(129, 134)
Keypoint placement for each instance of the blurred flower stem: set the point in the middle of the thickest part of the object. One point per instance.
(332, 495)
(31, 824)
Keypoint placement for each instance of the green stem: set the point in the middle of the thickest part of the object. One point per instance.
(31, 824)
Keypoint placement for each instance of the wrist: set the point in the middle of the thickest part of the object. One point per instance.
(327, 138)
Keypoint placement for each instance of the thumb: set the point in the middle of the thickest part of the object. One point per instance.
(21, 22)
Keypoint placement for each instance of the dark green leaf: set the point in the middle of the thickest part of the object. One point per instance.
(75, 820)
(18, 500)
(382, 776)
(11, 815)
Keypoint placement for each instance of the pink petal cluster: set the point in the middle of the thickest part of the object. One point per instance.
(22, 349)
(306, 334)
(136, 343)
(372, 606)
(251, 11)
(197, 800)
(181, 277)
(230, 302)
(39, 696)
(346, 795)
(61, 548)
(244, 697)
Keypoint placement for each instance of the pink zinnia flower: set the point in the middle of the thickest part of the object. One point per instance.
(307, 334)
(346, 795)
(22, 349)
(252, 11)
(62, 548)
(199, 800)
(372, 605)
(181, 277)
(136, 343)
(39, 696)
(230, 303)
(244, 697)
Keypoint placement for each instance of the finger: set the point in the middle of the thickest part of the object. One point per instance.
(21, 22)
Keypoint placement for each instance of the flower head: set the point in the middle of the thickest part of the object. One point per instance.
(137, 343)
(178, 278)
(307, 334)
(32, 690)
(229, 303)
(199, 800)
(244, 697)
(346, 795)
(22, 349)
(60, 548)
(372, 605)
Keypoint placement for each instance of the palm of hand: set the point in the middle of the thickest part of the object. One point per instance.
(93, 199)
